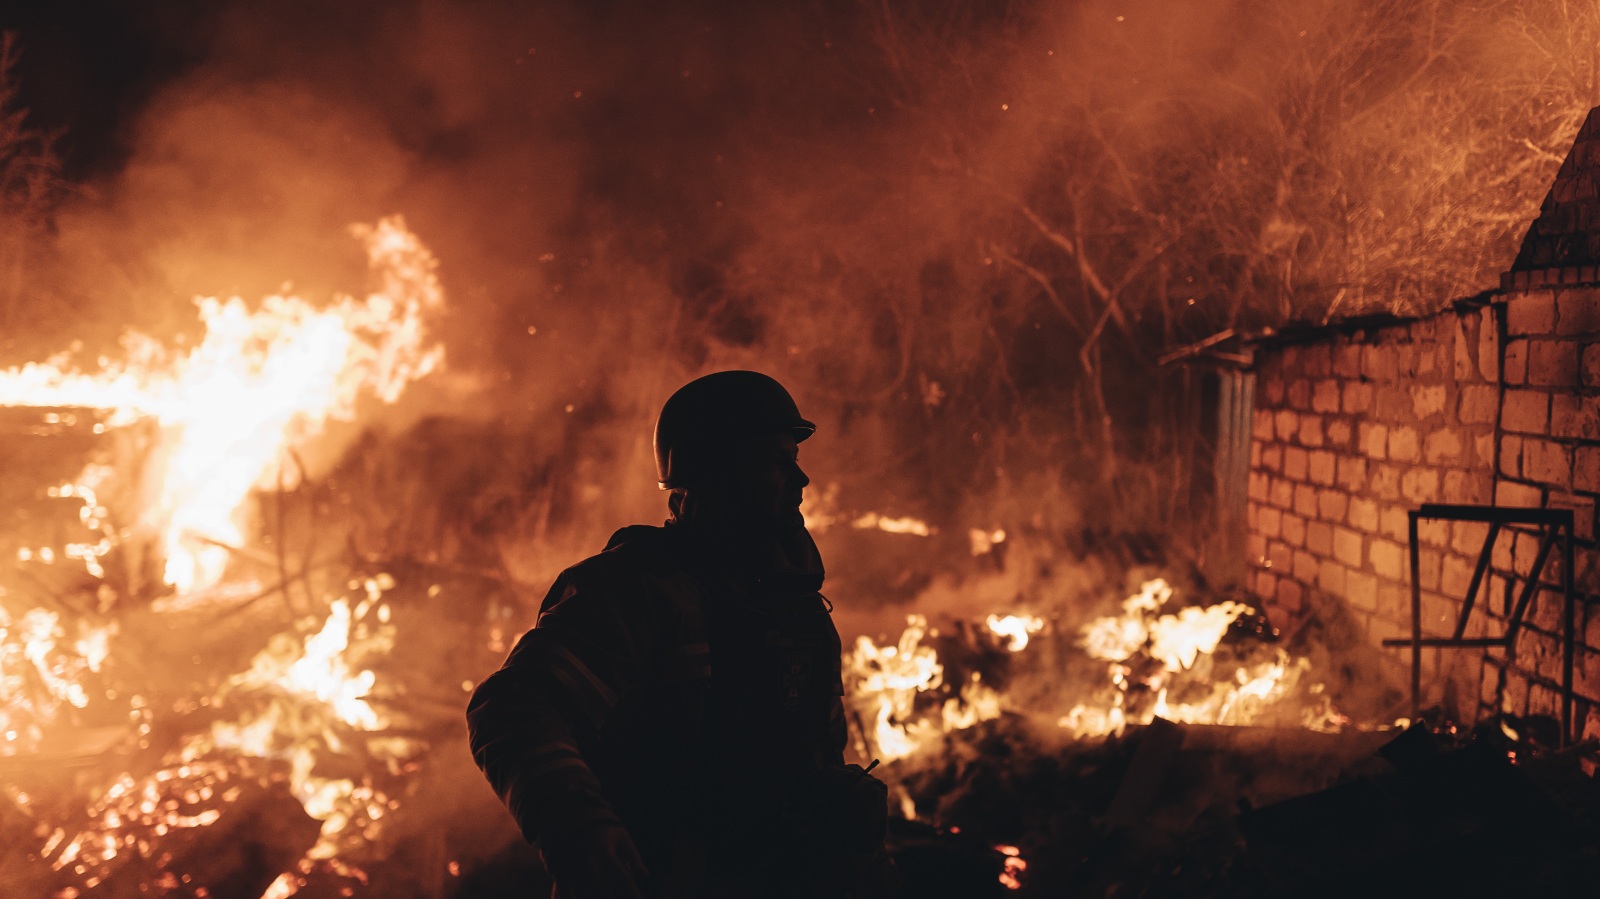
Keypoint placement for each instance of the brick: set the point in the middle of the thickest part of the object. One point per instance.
(1272, 457)
(1575, 416)
(1404, 445)
(1305, 567)
(1374, 440)
(1305, 501)
(1586, 469)
(1347, 360)
(1321, 469)
(1428, 564)
(1477, 405)
(1433, 532)
(1420, 485)
(1455, 577)
(1442, 446)
(1547, 462)
(1295, 463)
(1553, 363)
(1261, 426)
(1525, 411)
(1468, 536)
(1255, 453)
(1293, 529)
(1395, 523)
(1290, 595)
(1465, 340)
(1363, 515)
(1282, 494)
(1591, 365)
(1511, 493)
(1361, 590)
(1388, 559)
(1316, 360)
(1511, 456)
(1577, 312)
(1331, 577)
(1385, 482)
(1394, 606)
(1259, 486)
(1427, 400)
(1488, 344)
(1379, 362)
(1325, 396)
(1473, 487)
(1357, 398)
(1533, 312)
(1339, 433)
(1347, 547)
(1583, 513)
(1280, 558)
(1286, 423)
(1516, 362)
(1300, 394)
(1272, 388)
(1483, 449)
(1269, 522)
(1392, 404)
(1319, 537)
(1331, 505)
(1266, 584)
(1310, 430)
(1352, 473)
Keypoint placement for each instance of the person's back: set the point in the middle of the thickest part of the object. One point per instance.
(673, 725)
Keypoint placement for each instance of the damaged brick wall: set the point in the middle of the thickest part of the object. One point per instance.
(1493, 401)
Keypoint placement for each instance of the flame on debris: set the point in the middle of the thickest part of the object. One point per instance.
(259, 382)
(1149, 650)
(1158, 663)
(228, 414)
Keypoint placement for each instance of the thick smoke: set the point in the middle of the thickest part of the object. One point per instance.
(961, 232)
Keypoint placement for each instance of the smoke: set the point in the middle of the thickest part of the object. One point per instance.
(869, 201)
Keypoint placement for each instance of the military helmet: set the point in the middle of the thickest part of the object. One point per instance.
(714, 409)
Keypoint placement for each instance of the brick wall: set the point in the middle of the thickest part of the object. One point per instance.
(1489, 402)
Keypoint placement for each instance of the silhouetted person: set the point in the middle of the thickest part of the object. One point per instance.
(673, 725)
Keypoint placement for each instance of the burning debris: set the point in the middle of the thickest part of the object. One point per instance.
(296, 739)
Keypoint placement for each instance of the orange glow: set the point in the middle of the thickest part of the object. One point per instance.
(260, 382)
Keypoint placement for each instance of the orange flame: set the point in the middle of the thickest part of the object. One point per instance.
(257, 384)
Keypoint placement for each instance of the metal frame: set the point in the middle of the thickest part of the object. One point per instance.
(1553, 523)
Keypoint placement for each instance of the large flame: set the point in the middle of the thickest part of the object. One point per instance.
(259, 382)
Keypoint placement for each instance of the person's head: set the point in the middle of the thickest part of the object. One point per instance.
(727, 445)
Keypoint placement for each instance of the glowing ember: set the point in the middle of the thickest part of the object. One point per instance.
(258, 382)
(904, 525)
(42, 672)
(1015, 867)
(1015, 628)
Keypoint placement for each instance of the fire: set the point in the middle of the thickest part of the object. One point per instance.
(1150, 652)
(887, 681)
(1015, 628)
(43, 673)
(228, 413)
(259, 382)
(1158, 663)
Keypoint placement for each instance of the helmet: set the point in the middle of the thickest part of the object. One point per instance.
(719, 407)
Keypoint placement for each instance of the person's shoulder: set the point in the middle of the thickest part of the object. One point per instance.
(633, 552)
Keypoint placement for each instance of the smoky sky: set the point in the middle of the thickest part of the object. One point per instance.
(868, 200)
